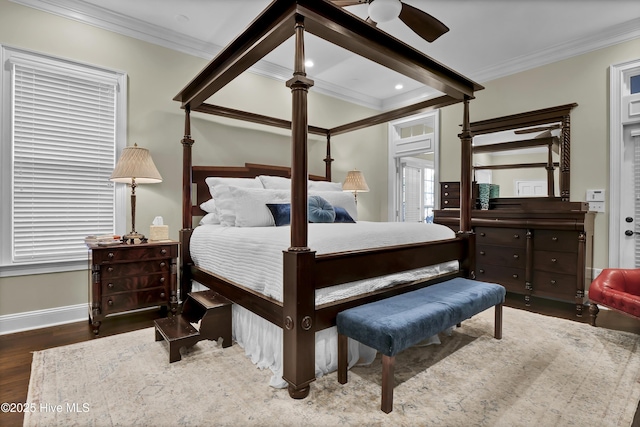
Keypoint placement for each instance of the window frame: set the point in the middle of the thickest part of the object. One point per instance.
(8, 267)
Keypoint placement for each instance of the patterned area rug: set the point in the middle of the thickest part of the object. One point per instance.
(544, 372)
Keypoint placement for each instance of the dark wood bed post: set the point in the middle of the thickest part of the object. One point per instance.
(466, 202)
(466, 137)
(328, 159)
(299, 295)
(565, 158)
(187, 220)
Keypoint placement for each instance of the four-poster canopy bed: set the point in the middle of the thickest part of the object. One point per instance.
(304, 270)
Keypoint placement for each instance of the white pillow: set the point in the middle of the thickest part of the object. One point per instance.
(251, 205)
(209, 206)
(210, 218)
(325, 186)
(214, 182)
(275, 182)
(281, 183)
(340, 199)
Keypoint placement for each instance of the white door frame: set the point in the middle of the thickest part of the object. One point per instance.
(393, 177)
(618, 74)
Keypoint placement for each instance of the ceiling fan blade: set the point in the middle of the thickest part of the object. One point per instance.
(423, 24)
(345, 3)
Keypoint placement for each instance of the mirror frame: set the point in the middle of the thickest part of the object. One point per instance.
(544, 116)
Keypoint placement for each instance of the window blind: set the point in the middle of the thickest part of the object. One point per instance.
(412, 194)
(64, 130)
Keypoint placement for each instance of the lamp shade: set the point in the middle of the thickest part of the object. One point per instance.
(384, 10)
(136, 163)
(355, 182)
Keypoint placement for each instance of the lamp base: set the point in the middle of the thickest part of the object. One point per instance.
(130, 238)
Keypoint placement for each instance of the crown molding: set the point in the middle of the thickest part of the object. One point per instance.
(620, 33)
(99, 17)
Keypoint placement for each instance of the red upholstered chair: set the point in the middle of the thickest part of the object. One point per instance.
(618, 289)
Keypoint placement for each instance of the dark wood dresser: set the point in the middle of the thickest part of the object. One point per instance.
(129, 277)
(537, 248)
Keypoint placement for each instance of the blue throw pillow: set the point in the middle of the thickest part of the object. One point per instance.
(320, 210)
(342, 215)
(281, 213)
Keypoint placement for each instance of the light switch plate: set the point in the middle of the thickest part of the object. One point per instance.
(595, 195)
(596, 206)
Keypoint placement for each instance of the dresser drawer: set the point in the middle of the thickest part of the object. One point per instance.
(109, 271)
(133, 283)
(555, 285)
(510, 278)
(555, 262)
(501, 255)
(451, 203)
(515, 237)
(555, 240)
(134, 252)
(133, 300)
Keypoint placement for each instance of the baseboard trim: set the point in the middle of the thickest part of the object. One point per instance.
(19, 322)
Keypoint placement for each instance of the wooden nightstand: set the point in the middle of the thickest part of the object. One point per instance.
(129, 277)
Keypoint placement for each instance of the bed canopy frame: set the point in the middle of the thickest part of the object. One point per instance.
(304, 272)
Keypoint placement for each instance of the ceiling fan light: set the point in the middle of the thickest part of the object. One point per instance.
(384, 10)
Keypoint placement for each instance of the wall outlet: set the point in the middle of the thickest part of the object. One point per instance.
(596, 206)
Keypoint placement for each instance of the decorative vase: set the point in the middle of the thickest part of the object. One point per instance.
(483, 195)
(494, 191)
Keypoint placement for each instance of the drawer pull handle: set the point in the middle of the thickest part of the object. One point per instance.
(110, 286)
(553, 282)
(162, 264)
(483, 234)
(446, 186)
(446, 194)
(554, 260)
(515, 276)
(162, 280)
(516, 256)
(110, 302)
(554, 239)
(110, 269)
(516, 236)
(110, 255)
(481, 271)
(163, 251)
(481, 252)
(446, 202)
(162, 295)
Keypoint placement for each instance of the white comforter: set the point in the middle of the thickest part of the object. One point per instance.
(252, 256)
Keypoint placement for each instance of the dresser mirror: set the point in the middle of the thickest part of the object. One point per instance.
(526, 154)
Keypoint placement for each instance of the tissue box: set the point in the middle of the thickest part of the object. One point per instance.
(159, 232)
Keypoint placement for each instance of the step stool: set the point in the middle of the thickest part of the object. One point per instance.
(212, 310)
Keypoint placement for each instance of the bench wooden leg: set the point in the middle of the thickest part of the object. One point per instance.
(343, 355)
(387, 383)
(498, 322)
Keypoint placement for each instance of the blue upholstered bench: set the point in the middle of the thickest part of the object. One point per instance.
(399, 322)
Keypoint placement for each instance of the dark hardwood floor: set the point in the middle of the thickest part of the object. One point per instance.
(16, 349)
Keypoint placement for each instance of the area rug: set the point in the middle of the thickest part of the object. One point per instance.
(544, 372)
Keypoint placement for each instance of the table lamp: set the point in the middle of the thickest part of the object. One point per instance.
(355, 182)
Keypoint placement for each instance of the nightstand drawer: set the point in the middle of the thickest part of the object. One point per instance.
(133, 300)
(109, 271)
(555, 262)
(555, 240)
(134, 252)
(501, 255)
(515, 237)
(134, 283)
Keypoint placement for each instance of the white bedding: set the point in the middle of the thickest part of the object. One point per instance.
(225, 251)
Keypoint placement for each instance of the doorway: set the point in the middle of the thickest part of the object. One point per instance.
(624, 219)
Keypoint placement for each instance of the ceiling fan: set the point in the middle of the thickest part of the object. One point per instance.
(423, 24)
